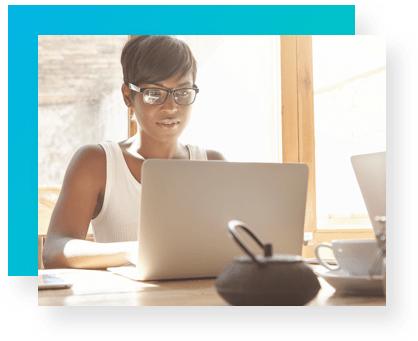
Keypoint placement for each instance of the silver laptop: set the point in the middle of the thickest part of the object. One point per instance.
(186, 206)
(370, 170)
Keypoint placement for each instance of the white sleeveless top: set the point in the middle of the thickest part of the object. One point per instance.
(119, 218)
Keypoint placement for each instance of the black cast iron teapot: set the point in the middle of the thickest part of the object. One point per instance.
(265, 279)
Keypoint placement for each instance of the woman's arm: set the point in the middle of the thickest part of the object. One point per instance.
(64, 252)
(65, 244)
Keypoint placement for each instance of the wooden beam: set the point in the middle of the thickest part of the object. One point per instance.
(290, 125)
(298, 132)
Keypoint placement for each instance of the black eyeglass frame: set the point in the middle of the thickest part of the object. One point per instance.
(141, 90)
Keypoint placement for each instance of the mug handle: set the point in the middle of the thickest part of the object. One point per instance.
(323, 263)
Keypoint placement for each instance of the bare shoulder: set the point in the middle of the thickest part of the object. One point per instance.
(89, 156)
(214, 155)
(91, 153)
(87, 165)
(93, 150)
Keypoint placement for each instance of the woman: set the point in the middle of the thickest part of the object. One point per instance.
(102, 182)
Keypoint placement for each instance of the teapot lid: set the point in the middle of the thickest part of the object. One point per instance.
(278, 258)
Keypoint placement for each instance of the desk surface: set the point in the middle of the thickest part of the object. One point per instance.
(103, 288)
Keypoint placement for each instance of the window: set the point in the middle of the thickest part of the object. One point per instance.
(350, 119)
(299, 130)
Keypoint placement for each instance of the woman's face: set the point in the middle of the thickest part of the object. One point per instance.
(152, 119)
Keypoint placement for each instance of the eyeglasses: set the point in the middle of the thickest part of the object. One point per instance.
(156, 96)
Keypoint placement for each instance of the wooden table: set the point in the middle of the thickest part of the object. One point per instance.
(103, 288)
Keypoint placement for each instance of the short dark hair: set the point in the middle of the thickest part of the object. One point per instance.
(149, 59)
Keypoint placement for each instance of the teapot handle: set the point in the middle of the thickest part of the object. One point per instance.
(233, 224)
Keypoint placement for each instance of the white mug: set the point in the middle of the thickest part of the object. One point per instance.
(354, 256)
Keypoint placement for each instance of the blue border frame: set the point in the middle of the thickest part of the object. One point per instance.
(27, 22)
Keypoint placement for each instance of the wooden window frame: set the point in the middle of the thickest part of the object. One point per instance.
(298, 132)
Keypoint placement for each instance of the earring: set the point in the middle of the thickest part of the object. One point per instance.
(128, 103)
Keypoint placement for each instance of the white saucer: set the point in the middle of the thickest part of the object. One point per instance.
(342, 281)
